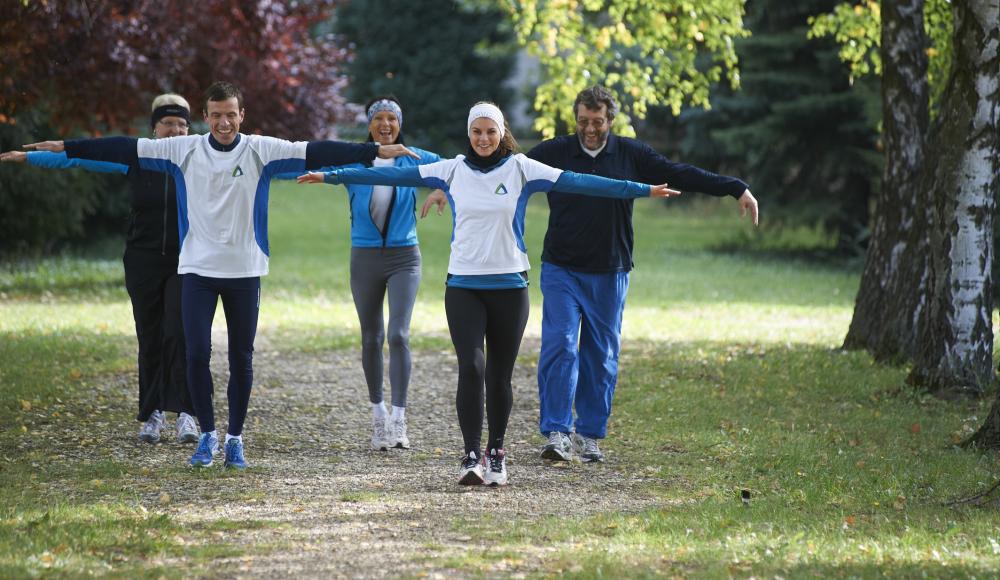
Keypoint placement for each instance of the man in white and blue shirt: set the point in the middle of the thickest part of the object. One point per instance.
(222, 181)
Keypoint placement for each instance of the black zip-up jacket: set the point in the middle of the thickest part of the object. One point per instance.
(594, 234)
(152, 223)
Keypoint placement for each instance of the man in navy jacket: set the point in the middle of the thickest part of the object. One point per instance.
(586, 259)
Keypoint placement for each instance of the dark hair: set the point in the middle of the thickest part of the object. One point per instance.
(593, 98)
(223, 91)
(508, 144)
(399, 138)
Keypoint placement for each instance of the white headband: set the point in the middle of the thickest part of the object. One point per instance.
(481, 110)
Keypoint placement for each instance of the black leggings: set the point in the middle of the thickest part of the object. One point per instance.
(499, 318)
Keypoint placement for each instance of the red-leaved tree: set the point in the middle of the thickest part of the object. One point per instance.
(96, 65)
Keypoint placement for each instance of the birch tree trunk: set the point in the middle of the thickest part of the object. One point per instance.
(955, 340)
(893, 288)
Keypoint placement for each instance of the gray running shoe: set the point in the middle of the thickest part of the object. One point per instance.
(587, 449)
(397, 433)
(187, 429)
(150, 430)
(558, 447)
(380, 435)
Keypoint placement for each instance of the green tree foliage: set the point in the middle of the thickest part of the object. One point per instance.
(438, 58)
(797, 131)
(648, 52)
(44, 210)
(857, 27)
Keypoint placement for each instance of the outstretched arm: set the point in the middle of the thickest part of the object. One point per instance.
(335, 153)
(594, 185)
(50, 160)
(371, 176)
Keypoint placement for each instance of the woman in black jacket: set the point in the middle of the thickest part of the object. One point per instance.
(151, 278)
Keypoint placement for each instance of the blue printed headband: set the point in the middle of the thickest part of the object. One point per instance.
(386, 105)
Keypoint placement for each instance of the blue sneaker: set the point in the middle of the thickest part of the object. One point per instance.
(208, 446)
(234, 455)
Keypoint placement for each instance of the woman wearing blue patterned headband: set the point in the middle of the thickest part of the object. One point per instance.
(385, 258)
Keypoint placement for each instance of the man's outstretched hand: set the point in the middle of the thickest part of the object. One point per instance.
(395, 150)
(749, 203)
(53, 146)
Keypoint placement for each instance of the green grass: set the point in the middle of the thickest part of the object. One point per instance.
(731, 379)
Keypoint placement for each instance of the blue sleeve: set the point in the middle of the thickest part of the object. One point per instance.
(50, 160)
(123, 150)
(593, 185)
(327, 153)
(377, 176)
(426, 157)
(294, 174)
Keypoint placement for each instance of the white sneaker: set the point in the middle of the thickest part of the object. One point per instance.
(496, 468)
(380, 435)
(187, 429)
(397, 433)
(150, 430)
(558, 447)
(471, 472)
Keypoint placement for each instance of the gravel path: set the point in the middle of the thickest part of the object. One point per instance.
(323, 505)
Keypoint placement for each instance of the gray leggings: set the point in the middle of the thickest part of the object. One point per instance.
(372, 271)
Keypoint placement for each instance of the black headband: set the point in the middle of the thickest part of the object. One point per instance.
(169, 111)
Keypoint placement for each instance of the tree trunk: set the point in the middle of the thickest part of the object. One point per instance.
(892, 294)
(955, 341)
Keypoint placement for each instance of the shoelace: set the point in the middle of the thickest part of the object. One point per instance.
(470, 461)
(496, 463)
(205, 445)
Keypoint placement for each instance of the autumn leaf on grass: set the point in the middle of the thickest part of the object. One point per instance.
(915, 428)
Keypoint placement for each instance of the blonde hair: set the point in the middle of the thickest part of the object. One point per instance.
(170, 99)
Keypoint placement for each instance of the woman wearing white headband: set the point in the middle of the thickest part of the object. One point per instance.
(486, 298)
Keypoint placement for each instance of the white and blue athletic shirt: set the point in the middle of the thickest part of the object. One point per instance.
(488, 207)
(222, 191)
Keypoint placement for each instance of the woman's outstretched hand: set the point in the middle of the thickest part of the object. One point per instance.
(53, 146)
(310, 178)
(13, 156)
(435, 198)
(662, 191)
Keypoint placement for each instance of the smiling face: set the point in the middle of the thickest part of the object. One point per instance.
(484, 136)
(384, 128)
(592, 126)
(224, 118)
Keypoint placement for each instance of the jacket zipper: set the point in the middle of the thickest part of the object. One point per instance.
(388, 217)
(166, 209)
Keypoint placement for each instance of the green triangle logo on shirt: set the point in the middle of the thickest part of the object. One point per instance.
(500, 190)
(237, 172)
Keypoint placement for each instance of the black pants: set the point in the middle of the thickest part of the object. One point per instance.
(497, 317)
(155, 290)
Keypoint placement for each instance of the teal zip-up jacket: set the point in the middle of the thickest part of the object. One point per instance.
(401, 219)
